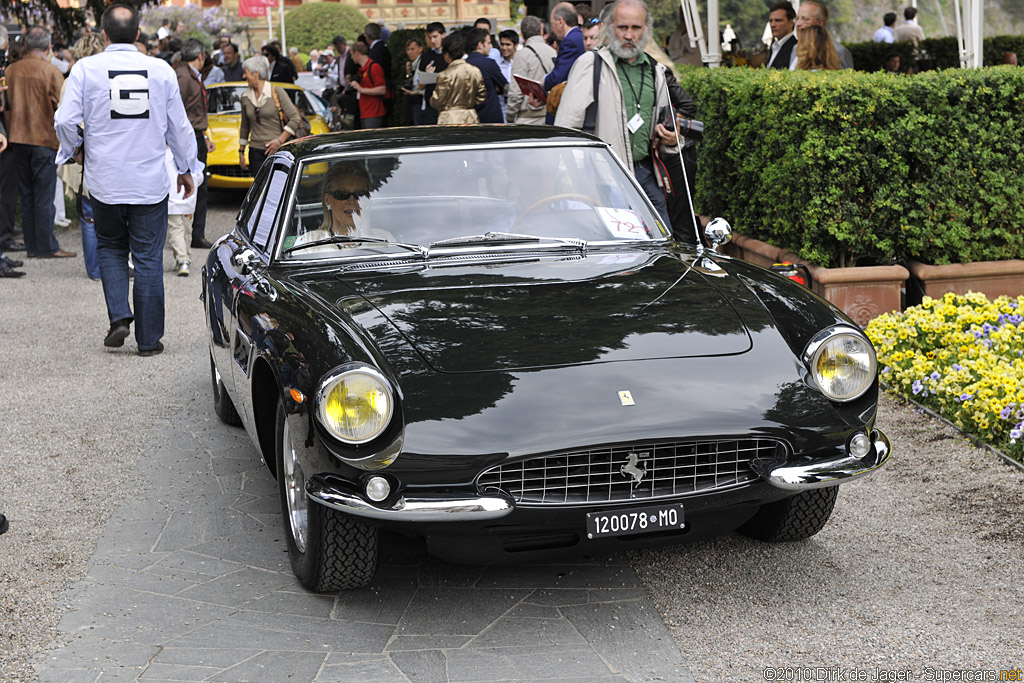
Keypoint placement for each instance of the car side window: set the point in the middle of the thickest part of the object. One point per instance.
(265, 218)
(251, 204)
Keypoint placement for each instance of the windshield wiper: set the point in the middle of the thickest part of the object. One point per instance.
(348, 239)
(507, 238)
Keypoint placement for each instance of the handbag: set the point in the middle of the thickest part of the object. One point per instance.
(304, 127)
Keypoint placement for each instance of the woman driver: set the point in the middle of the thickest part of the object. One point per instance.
(344, 185)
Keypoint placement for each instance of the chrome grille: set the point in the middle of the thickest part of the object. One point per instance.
(611, 473)
(230, 171)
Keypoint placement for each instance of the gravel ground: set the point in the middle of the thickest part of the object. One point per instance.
(919, 567)
(72, 415)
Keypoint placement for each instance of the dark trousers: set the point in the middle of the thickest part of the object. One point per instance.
(37, 175)
(139, 230)
(199, 217)
(643, 171)
(256, 159)
(680, 211)
(8, 195)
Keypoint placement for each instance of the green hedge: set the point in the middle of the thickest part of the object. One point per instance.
(848, 167)
(313, 26)
(943, 51)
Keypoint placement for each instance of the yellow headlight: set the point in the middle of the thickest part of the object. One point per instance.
(842, 363)
(356, 406)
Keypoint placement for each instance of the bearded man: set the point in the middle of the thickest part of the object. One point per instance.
(631, 101)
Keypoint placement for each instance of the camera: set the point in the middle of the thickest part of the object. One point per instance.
(691, 129)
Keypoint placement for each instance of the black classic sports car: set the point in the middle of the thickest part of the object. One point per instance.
(485, 336)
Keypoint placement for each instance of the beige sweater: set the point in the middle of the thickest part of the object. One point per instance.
(259, 132)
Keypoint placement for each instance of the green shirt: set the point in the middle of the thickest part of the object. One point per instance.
(637, 81)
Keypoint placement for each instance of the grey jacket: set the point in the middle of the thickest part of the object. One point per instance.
(611, 110)
(532, 66)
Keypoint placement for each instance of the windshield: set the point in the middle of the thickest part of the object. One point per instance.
(422, 198)
(227, 99)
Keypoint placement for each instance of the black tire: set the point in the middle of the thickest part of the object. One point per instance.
(222, 404)
(794, 518)
(340, 551)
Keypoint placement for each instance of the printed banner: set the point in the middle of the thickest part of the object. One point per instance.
(255, 8)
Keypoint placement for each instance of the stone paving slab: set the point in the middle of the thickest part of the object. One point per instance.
(190, 581)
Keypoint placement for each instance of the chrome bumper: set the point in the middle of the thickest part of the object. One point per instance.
(831, 472)
(334, 493)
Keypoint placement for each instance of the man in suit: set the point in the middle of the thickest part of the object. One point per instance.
(781, 20)
(565, 26)
(494, 81)
(432, 61)
(379, 49)
(815, 13)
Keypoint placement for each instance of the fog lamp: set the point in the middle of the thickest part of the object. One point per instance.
(377, 489)
(860, 445)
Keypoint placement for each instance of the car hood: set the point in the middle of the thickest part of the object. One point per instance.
(546, 312)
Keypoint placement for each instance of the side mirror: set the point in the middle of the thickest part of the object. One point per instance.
(718, 232)
(244, 260)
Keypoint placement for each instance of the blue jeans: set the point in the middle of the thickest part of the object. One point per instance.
(644, 174)
(92, 263)
(140, 229)
(37, 173)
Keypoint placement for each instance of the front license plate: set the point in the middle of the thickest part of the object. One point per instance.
(635, 521)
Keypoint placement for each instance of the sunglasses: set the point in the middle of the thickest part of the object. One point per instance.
(344, 195)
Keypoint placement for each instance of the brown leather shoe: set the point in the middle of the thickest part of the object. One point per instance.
(60, 253)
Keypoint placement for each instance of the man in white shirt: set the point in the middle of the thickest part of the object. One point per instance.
(781, 18)
(885, 34)
(508, 41)
(131, 111)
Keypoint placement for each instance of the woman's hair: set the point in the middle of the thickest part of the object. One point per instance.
(815, 51)
(454, 45)
(272, 49)
(88, 45)
(258, 65)
(345, 168)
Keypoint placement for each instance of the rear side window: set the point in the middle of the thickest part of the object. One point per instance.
(262, 215)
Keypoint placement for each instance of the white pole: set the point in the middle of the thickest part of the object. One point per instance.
(270, 25)
(977, 27)
(714, 41)
(284, 44)
(961, 43)
(691, 17)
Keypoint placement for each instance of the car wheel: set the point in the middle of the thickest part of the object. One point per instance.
(329, 550)
(222, 404)
(794, 518)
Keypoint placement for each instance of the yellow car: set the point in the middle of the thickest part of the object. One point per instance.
(225, 111)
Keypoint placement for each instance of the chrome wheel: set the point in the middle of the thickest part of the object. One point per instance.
(295, 491)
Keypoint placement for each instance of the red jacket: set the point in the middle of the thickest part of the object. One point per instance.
(371, 75)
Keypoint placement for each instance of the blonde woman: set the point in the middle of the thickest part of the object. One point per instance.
(344, 186)
(815, 51)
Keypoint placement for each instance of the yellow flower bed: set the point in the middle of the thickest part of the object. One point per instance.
(963, 357)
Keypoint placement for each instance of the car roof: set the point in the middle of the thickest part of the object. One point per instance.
(435, 136)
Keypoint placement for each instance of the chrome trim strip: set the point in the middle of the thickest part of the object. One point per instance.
(830, 472)
(328, 490)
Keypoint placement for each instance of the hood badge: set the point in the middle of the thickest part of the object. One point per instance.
(626, 398)
(631, 470)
